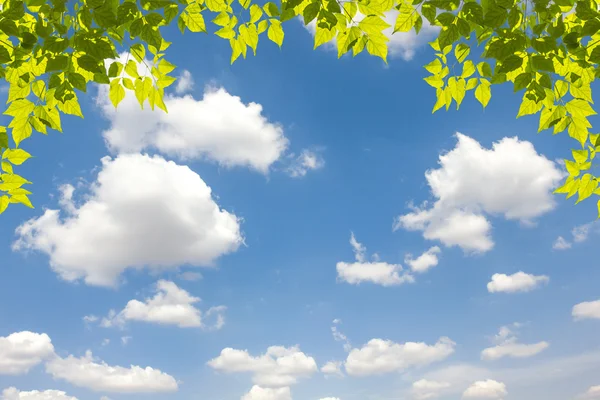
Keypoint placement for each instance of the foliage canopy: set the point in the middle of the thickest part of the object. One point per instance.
(548, 49)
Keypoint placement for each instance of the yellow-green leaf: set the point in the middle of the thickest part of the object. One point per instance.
(275, 33)
(116, 92)
(16, 156)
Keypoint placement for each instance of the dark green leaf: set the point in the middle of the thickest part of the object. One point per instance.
(77, 80)
(541, 63)
(495, 17)
(311, 11)
(89, 63)
(57, 63)
(510, 64)
(445, 18)
(521, 81)
(9, 27)
(4, 55)
(448, 36)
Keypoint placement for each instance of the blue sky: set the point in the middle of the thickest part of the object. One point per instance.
(337, 147)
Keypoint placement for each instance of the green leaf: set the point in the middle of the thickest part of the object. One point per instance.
(138, 51)
(586, 187)
(116, 93)
(510, 64)
(541, 63)
(461, 52)
(310, 12)
(271, 9)
(16, 156)
(468, 69)
(275, 33)
(483, 92)
(521, 81)
(132, 69)
(448, 36)
(580, 156)
(255, 13)
(4, 200)
(77, 80)
(434, 67)
(194, 22)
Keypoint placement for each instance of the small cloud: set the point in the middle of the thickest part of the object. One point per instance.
(308, 160)
(561, 244)
(185, 82)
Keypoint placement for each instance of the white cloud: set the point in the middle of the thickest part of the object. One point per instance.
(278, 367)
(185, 82)
(511, 180)
(125, 340)
(96, 375)
(508, 346)
(380, 273)
(14, 394)
(586, 310)
(190, 276)
(332, 368)
(593, 393)
(90, 319)
(105, 342)
(517, 282)
(579, 233)
(260, 393)
(424, 389)
(171, 305)
(338, 336)
(561, 244)
(488, 389)
(380, 356)
(425, 261)
(308, 160)
(21, 351)
(401, 44)
(330, 398)
(220, 128)
(141, 212)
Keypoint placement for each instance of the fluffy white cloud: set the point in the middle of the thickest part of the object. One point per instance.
(401, 44)
(220, 128)
(511, 180)
(593, 393)
(586, 310)
(185, 82)
(488, 389)
(425, 261)
(278, 367)
(306, 161)
(14, 394)
(96, 375)
(561, 244)
(261, 393)
(380, 273)
(21, 351)
(380, 356)
(332, 368)
(424, 389)
(508, 346)
(141, 212)
(517, 282)
(171, 305)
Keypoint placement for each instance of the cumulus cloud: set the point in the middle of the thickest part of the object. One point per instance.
(508, 346)
(332, 368)
(278, 367)
(517, 282)
(13, 394)
(380, 356)
(511, 180)
(261, 393)
(425, 261)
(185, 82)
(402, 45)
(87, 372)
(21, 351)
(220, 128)
(171, 305)
(141, 212)
(593, 393)
(586, 310)
(424, 389)
(377, 272)
(488, 389)
(306, 161)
